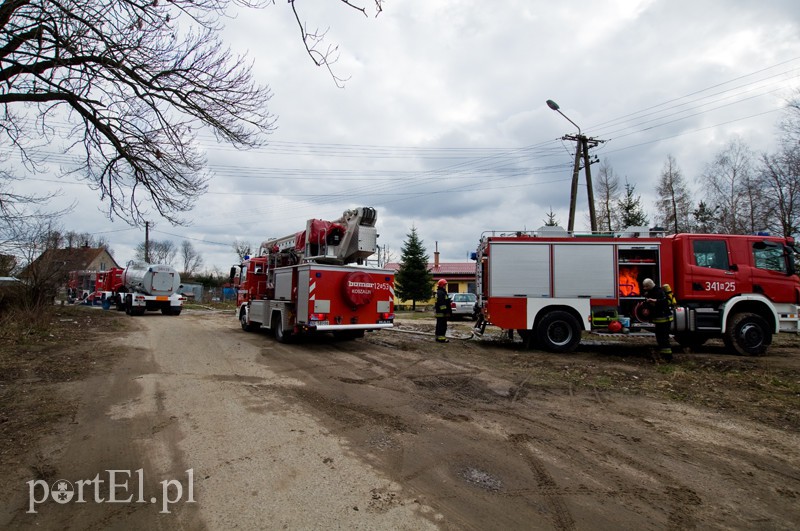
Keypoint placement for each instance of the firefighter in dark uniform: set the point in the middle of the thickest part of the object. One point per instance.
(442, 311)
(661, 316)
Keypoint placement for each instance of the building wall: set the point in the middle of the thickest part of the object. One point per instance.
(103, 262)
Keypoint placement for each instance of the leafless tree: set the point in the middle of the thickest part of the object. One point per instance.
(43, 273)
(674, 203)
(242, 249)
(607, 195)
(323, 54)
(789, 125)
(731, 188)
(133, 81)
(779, 177)
(160, 252)
(192, 261)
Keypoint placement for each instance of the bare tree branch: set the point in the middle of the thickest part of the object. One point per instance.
(135, 80)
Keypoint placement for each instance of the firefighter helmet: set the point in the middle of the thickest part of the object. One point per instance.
(648, 283)
(442, 282)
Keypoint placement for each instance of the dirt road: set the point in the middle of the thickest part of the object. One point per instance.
(218, 428)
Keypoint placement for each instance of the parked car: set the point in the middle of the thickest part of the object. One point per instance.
(463, 305)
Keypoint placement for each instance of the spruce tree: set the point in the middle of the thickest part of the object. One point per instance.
(413, 281)
(551, 220)
(630, 210)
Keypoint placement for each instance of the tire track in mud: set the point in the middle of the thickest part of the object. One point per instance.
(626, 474)
(562, 519)
(440, 388)
(561, 459)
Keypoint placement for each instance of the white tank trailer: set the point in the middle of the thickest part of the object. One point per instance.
(150, 287)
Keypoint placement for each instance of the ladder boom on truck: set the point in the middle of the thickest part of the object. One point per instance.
(305, 283)
(551, 285)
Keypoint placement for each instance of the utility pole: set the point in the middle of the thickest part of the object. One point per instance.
(147, 242)
(582, 146)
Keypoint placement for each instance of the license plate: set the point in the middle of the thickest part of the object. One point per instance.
(321, 323)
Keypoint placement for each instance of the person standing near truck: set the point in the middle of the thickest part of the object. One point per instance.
(442, 311)
(661, 316)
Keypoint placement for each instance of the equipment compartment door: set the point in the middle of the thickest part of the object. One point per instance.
(584, 271)
(519, 270)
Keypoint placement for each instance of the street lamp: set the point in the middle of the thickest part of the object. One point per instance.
(582, 148)
(553, 105)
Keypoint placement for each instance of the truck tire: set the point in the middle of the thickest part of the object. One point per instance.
(558, 331)
(281, 336)
(748, 334)
(247, 326)
(128, 305)
(528, 338)
(176, 311)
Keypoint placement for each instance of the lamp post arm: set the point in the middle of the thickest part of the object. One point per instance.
(570, 121)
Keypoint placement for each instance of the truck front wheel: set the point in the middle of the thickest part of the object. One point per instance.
(558, 331)
(246, 325)
(748, 334)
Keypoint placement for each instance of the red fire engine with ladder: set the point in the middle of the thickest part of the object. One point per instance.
(302, 283)
(550, 285)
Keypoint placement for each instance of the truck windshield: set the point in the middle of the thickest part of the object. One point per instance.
(770, 256)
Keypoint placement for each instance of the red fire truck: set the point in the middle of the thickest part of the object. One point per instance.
(550, 285)
(302, 283)
(80, 285)
(108, 283)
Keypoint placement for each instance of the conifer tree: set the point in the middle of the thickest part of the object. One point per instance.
(551, 220)
(413, 281)
(630, 209)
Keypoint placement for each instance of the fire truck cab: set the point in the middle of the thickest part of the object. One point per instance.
(550, 285)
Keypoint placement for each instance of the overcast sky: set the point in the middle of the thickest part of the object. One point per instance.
(443, 125)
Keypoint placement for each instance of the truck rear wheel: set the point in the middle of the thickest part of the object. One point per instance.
(748, 334)
(558, 331)
(281, 336)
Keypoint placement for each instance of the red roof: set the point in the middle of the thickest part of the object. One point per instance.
(444, 268)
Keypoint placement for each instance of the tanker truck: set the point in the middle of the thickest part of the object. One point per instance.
(149, 287)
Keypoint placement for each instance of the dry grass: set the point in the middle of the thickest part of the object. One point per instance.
(38, 351)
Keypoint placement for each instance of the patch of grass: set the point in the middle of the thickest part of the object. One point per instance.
(38, 351)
